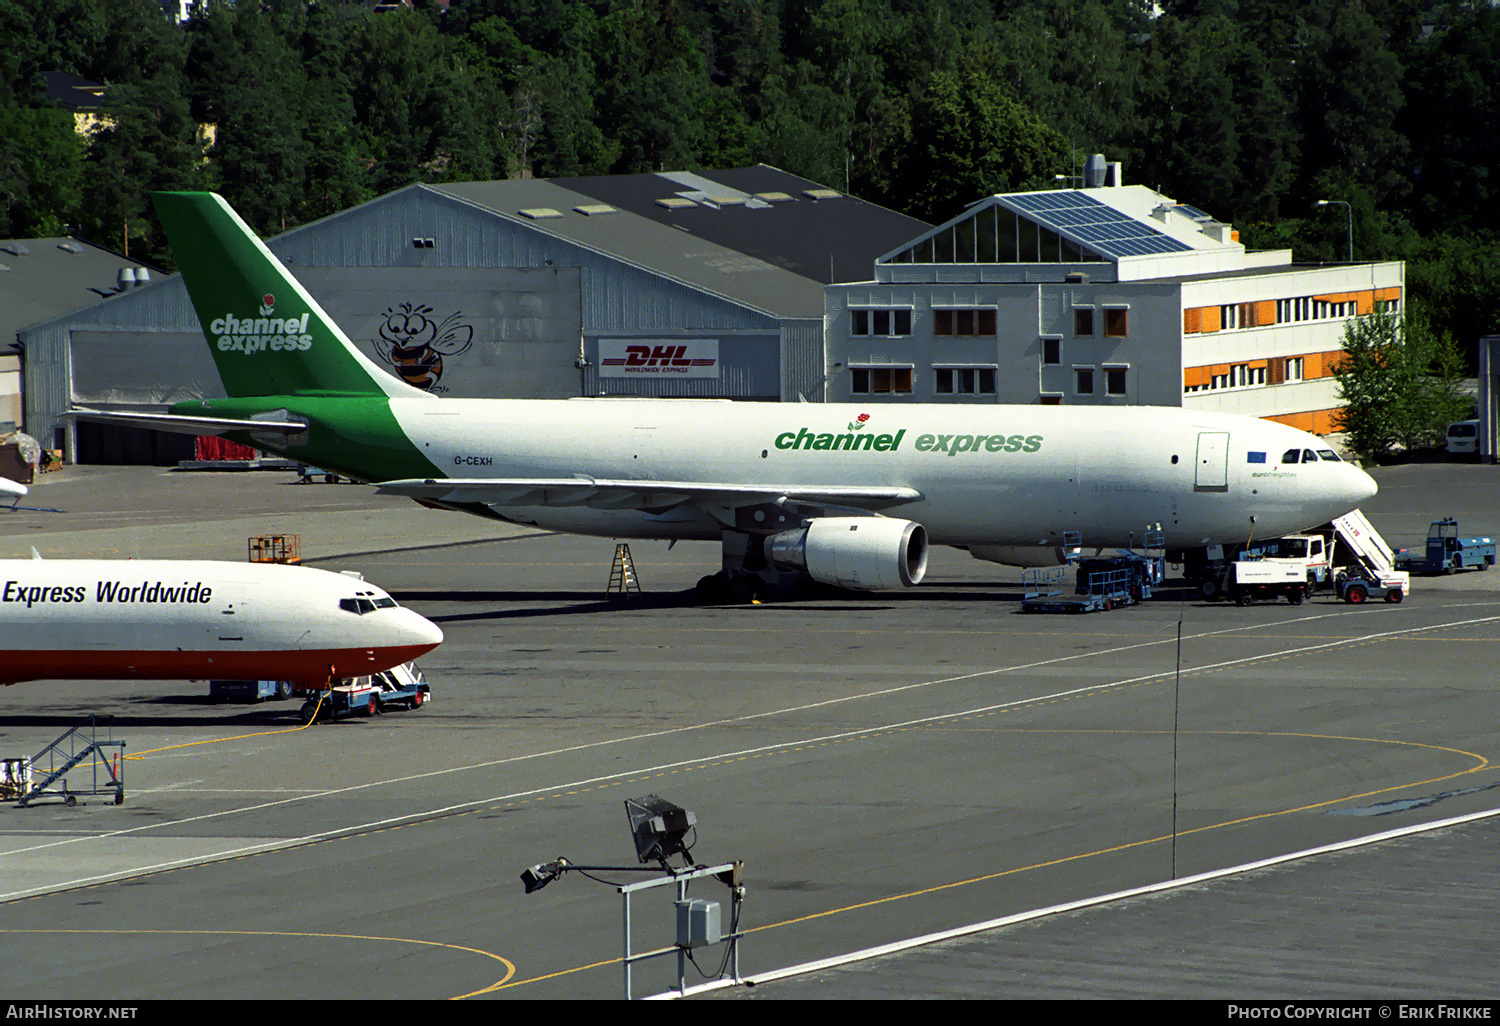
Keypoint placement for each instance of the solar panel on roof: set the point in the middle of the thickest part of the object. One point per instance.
(1085, 219)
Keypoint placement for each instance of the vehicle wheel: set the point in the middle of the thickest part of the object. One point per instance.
(373, 709)
(1296, 596)
(119, 797)
(330, 479)
(1242, 598)
(1356, 594)
(283, 689)
(308, 711)
(743, 588)
(711, 589)
(1394, 595)
(70, 801)
(1209, 589)
(416, 700)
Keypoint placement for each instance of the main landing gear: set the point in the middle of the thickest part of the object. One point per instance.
(742, 579)
(737, 587)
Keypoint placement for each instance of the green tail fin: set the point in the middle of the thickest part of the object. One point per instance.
(267, 335)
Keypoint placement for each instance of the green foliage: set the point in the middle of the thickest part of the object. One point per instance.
(1399, 384)
(1249, 109)
(41, 172)
(971, 138)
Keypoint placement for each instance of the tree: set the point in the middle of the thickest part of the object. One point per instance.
(1398, 382)
(972, 138)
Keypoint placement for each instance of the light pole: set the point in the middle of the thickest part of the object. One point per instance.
(1349, 220)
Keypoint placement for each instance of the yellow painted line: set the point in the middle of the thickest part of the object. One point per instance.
(1481, 764)
(510, 968)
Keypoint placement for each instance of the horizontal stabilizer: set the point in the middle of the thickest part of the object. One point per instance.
(189, 425)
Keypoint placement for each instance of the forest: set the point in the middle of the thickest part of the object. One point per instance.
(1250, 109)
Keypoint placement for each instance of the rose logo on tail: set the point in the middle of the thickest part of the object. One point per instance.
(267, 305)
(858, 422)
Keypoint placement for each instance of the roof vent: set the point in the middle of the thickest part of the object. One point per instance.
(1218, 231)
(1077, 278)
(540, 213)
(774, 197)
(590, 209)
(15, 248)
(675, 203)
(1094, 171)
(821, 194)
(70, 247)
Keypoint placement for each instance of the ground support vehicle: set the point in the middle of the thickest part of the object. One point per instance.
(400, 687)
(1306, 553)
(1099, 591)
(1447, 552)
(1363, 585)
(1142, 572)
(348, 699)
(305, 474)
(1251, 579)
(248, 690)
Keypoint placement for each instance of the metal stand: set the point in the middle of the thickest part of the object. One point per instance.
(730, 875)
(68, 751)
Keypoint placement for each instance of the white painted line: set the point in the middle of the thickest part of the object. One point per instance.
(742, 753)
(1072, 906)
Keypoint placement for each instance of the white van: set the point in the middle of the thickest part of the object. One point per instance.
(1463, 438)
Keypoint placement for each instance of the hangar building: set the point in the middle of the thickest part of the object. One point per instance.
(671, 284)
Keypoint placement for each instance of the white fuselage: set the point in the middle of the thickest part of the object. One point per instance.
(988, 475)
(92, 619)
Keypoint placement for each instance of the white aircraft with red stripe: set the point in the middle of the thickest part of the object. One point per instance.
(93, 619)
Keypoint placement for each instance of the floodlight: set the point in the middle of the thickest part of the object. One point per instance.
(657, 827)
(541, 875)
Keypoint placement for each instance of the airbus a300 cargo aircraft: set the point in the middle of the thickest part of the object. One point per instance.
(148, 619)
(849, 495)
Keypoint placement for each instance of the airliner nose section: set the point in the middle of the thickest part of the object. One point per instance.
(419, 632)
(1360, 486)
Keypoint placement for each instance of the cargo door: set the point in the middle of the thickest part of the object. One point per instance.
(1213, 462)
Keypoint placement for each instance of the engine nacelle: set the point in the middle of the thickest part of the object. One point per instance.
(864, 553)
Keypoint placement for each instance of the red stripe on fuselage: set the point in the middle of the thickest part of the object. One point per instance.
(304, 665)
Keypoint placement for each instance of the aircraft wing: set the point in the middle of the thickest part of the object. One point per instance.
(601, 493)
(188, 425)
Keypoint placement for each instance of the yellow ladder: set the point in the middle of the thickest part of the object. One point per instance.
(622, 577)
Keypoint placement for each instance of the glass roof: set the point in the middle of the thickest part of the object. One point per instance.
(1045, 227)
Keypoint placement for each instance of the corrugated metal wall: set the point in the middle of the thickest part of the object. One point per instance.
(761, 356)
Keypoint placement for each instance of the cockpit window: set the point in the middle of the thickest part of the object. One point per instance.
(385, 603)
(1308, 456)
(1329, 455)
(359, 606)
(1291, 455)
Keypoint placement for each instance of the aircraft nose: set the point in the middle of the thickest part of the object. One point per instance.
(1360, 486)
(418, 631)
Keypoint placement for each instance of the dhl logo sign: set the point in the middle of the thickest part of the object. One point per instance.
(690, 358)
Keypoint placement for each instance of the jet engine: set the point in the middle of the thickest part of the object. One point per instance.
(865, 553)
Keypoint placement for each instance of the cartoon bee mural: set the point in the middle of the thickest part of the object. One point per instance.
(414, 343)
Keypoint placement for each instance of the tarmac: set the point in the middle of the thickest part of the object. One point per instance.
(932, 795)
